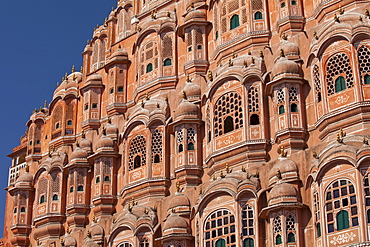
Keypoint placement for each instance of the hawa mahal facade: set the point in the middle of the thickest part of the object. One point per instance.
(204, 123)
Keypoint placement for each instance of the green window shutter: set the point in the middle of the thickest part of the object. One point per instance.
(367, 79)
(149, 67)
(258, 16)
(234, 22)
(248, 242)
(278, 239)
(318, 228)
(291, 238)
(340, 84)
(342, 220)
(281, 109)
(221, 243)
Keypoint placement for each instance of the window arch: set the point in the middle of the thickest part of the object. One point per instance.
(126, 244)
(228, 124)
(363, 56)
(340, 84)
(340, 203)
(80, 188)
(190, 146)
(97, 180)
(228, 105)
(254, 106)
(290, 228)
(71, 189)
(55, 197)
(248, 242)
(23, 210)
(281, 109)
(220, 228)
(234, 21)
(317, 82)
(157, 146)
(42, 199)
(258, 15)
(248, 224)
(106, 179)
(277, 226)
(167, 62)
(293, 107)
(149, 67)
(338, 66)
(137, 151)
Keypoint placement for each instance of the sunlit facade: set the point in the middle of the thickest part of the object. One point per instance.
(238, 123)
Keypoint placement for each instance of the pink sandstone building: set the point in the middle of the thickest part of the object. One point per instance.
(207, 123)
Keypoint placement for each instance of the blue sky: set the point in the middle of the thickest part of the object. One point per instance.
(40, 40)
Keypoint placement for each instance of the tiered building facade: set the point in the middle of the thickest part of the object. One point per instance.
(204, 123)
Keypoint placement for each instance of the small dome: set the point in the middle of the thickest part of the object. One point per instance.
(86, 144)
(79, 153)
(94, 78)
(96, 230)
(175, 221)
(25, 178)
(120, 53)
(69, 241)
(282, 192)
(289, 48)
(192, 90)
(285, 66)
(111, 129)
(105, 142)
(186, 108)
(284, 166)
(179, 200)
(195, 14)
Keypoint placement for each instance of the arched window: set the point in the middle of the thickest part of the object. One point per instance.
(157, 159)
(157, 145)
(340, 84)
(23, 209)
(283, 4)
(281, 109)
(167, 62)
(137, 161)
(144, 242)
(294, 2)
(80, 188)
(234, 21)
(55, 197)
(277, 227)
(190, 146)
(342, 220)
(318, 230)
(293, 107)
(125, 245)
(341, 197)
(42, 199)
(228, 124)
(258, 15)
(97, 180)
(57, 126)
(291, 237)
(181, 148)
(254, 119)
(278, 239)
(338, 65)
(106, 179)
(137, 151)
(228, 105)
(71, 189)
(220, 228)
(221, 243)
(248, 224)
(248, 242)
(149, 67)
(69, 122)
(367, 79)
(15, 210)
